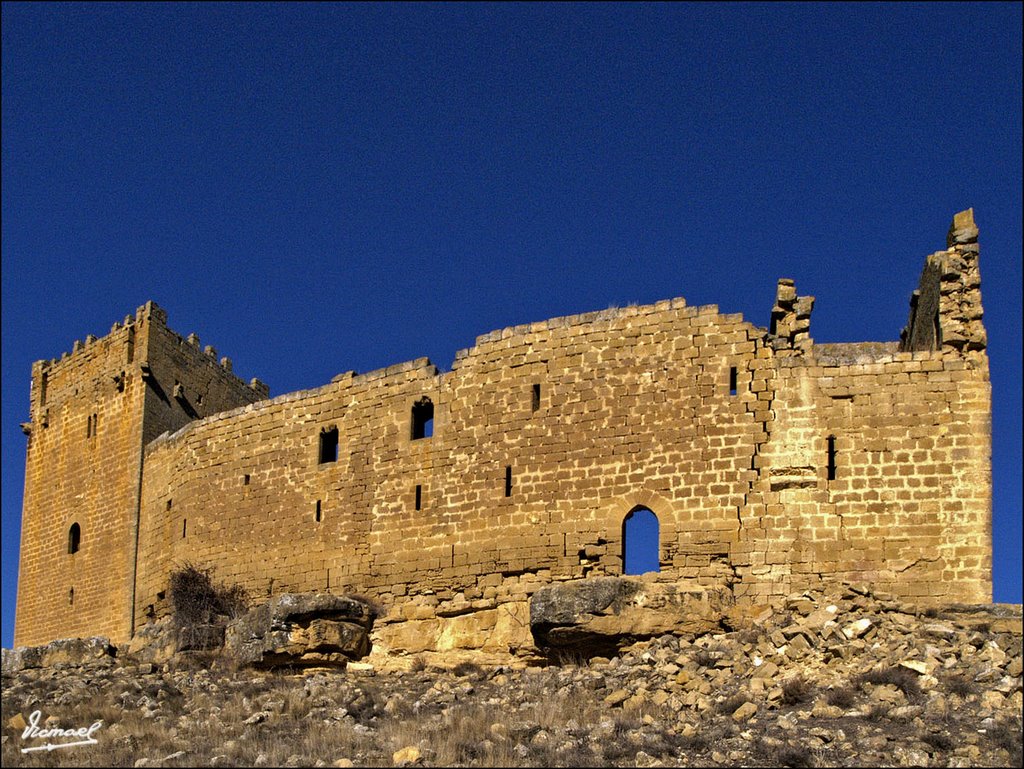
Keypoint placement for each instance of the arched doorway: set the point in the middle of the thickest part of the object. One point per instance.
(640, 542)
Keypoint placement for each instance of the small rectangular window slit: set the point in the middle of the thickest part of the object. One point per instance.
(732, 381)
(245, 479)
(419, 497)
(318, 511)
(422, 419)
(329, 445)
(831, 457)
(184, 527)
(508, 480)
(536, 397)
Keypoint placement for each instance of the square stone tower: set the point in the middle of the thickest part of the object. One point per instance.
(91, 413)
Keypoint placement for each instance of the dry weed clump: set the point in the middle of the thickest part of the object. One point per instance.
(199, 607)
(960, 685)
(729, 705)
(843, 697)
(901, 678)
(796, 690)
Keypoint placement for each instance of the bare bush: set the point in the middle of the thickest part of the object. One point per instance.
(896, 676)
(796, 690)
(196, 600)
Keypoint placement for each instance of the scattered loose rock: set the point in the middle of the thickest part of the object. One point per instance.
(894, 696)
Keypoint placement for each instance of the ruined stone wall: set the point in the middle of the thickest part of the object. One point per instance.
(908, 508)
(634, 408)
(92, 411)
(771, 463)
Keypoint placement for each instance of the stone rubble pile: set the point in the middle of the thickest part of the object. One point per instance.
(847, 679)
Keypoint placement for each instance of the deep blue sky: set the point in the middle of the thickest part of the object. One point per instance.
(317, 188)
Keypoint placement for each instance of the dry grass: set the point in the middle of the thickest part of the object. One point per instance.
(1007, 735)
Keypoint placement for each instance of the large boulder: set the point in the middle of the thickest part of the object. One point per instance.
(502, 629)
(599, 615)
(301, 629)
(73, 652)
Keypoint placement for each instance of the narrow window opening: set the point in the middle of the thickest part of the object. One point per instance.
(184, 527)
(88, 426)
(318, 511)
(732, 380)
(74, 538)
(42, 388)
(422, 419)
(508, 480)
(329, 445)
(536, 397)
(131, 344)
(831, 457)
(640, 542)
(95, 424)
(246, 479)
(937, 330)
(169, 504)
(419, 497)
(71, 597)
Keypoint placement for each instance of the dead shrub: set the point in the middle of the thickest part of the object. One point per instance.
(796, 690)
(960, 685)
(197, 602)
(841, 698)
(939, 741)
(896, 676)
(730, 704)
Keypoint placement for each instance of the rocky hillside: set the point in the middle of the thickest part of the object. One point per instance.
(849, 679)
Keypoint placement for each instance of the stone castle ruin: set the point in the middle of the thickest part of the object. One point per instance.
(763, 462)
